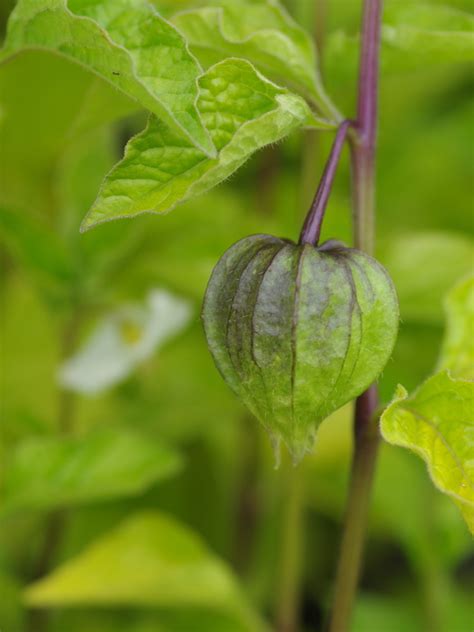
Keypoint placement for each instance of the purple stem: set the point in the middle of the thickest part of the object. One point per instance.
(368, 74)
(364, 143)
(366, 433)
(311, 230)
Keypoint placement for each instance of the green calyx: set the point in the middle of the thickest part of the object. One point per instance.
(297, 330)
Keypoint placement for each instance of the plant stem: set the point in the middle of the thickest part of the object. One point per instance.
(366, 440)
(290, 554)
(364, 143)
(366, 432)
(311, 230)
(56, 521)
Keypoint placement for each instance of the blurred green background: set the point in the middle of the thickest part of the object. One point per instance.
(162, 510)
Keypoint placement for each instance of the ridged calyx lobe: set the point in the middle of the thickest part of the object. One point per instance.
(297, 331)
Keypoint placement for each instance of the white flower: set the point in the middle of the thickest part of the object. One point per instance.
(122, 340)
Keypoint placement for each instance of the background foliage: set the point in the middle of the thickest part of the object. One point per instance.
(163, 511)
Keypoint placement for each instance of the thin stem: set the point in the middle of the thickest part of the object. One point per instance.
(288, 592)
(248, 512)
(366, 440)
(366, 433)
(311, 230)
(364, 144)
(56, 521)
(363, 197)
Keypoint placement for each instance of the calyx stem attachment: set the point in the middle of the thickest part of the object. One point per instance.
(311, 230)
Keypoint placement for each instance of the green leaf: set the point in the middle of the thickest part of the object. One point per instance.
(441, 259)
(35, 246)
(148, 560)
(263, 33)
(11, 611)
(457, 353)
(433, 33)
(436, 422)
(373, 612)
(242, 110)
(126, 43)
(50, 472)
(160, 620)
(47, 104)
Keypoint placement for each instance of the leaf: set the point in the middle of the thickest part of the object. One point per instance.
(265, 34)
(162, 620)
(441, 258)
(48, 105)
(457, 353)
(50, 472)
(35, 246)
(148, 560)
(126, 43)
(433, 33)
(242, 110)
(11, 611)
(374, 612)
(436, 422)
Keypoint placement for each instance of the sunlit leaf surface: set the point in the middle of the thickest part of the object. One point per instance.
(126, 43)
(149, 560)
(242, 110)
(265, 34)
(437, 423)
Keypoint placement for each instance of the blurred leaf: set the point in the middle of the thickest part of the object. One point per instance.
(68, 101)
(50, 472)
(162, 620)
(374, 613)
(404, 612)
(415, 35)
(440, 259)
(263, 33)
(243, 112)
(148, 560)
(48, 103)
(414, 514)
(36, 246)
(416, 352)
(30, 342)
(11, 610)
(458, 348)
(125, 42)
(436, 422)
(429, 33)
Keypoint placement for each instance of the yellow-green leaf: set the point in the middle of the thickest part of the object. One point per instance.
(457, 353)
(265, 34)
(242, 110)
(437, 423)
(149, 560)
(127, 44)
